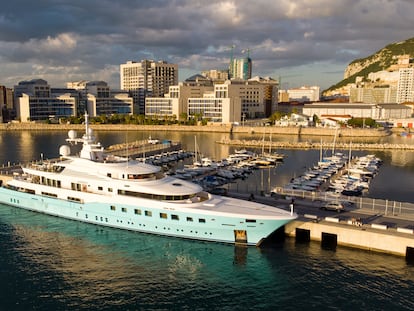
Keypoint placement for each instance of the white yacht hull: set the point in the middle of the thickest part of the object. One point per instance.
(186, 222)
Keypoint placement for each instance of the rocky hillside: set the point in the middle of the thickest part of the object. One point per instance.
(381, 60)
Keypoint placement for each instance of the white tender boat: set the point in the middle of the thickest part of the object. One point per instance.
(107, 190)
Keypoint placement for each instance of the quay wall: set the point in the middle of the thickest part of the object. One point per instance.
(357, 237)
(245, 143)
(214, 128)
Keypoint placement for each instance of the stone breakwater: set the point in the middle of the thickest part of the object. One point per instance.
(212, 128)
(245, 143)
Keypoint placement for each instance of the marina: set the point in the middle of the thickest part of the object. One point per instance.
(110, 190)
(308, 189)
(84, 265)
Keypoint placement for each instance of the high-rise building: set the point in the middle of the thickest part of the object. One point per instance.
(241, 68)
(147, 79)
(405, 89)
(6, 104)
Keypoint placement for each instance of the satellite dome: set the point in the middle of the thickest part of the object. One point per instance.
(64, 150)
(72, 134)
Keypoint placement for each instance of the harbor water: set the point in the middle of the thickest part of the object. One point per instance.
(48, 263)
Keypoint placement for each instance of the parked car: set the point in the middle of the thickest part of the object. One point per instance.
(333, 206)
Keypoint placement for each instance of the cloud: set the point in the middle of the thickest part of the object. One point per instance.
(62, 40)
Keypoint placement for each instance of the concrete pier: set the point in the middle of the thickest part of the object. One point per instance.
(356, 228)
(362, 237)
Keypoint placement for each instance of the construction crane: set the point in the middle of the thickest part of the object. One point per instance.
(231, 69)
(246, 51)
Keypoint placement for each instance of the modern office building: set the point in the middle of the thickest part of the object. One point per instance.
(7, 111)
(175, 102)
(231, 101)
(147, 79)
(102, 101)
(215, 109)
(34, 102)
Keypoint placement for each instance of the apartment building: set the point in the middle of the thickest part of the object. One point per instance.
(147, 78)
(376, 95)
(405, 89)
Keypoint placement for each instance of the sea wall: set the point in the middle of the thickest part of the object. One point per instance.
(367, 238)
(213, 128)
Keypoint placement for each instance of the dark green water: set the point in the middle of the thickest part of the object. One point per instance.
(48, 263)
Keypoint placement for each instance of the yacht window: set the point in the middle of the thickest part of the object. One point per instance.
(49, 194)
(189, 218)
(137, 211)
(74, 199)
(174, 217)
(124, 210)
(109, 174)
(250, 220)
(110, 189)
(113, 208)
(202, 220)
(163, 215)
(100, 188)
(148, 213)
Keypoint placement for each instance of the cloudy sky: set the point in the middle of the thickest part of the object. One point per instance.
(305, 42)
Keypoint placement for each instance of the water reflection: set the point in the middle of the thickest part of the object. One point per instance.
(393, 181)
(84, 266)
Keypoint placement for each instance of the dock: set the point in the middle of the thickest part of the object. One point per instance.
(358, 227)
(143, 148)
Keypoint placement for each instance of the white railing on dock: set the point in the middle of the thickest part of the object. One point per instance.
(379, 206)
